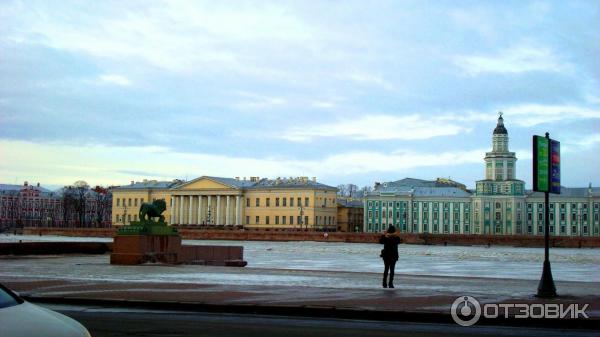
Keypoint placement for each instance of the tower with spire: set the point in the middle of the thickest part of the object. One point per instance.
(500, 166)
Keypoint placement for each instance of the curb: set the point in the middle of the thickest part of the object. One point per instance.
(317, 311)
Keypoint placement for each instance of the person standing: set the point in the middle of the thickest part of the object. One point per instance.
(389, 254)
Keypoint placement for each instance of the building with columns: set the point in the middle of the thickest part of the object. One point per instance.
(282, 203)
(498, 205)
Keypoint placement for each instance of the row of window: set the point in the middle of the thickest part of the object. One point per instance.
(283, 202)
(291, 220)
(121, 218)
(583, 217)
(121, 201)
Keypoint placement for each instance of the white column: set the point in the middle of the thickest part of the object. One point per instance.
(190, 218)
(209, 197)
(238, 208)
(227, 211)
(218, 215)
(180, 215)
(199, 209)
(172, 210)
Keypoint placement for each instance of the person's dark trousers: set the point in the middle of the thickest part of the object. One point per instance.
(390, 265)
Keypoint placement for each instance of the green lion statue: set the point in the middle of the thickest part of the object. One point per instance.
(153, 210)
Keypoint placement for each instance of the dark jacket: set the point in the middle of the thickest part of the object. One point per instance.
(390, 247)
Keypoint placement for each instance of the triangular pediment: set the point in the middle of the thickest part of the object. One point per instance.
(204, 183)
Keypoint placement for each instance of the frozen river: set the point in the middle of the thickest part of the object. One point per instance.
(474, 261)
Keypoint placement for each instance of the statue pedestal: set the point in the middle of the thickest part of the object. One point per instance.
(137, 249)
(147, 242)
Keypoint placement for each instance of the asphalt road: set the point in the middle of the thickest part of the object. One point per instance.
(104, 322)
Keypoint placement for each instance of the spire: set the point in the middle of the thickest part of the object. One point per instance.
(500, 129)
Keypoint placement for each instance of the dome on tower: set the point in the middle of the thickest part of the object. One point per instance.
(500, 129)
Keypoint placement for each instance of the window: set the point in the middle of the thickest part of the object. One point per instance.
(305, 202)
(551, 216)
(498, 205)
(257, 219)
(562, 216)
(257, 202)
(135, 202)
(267, 220)
(299, 201)
(299, 220)
(498, 216)
(584, 216)
(540, 206)
(283, 220)
(291, 202)
(129, 201)
(562, 206)
(306, 220)
(291, 218)
(370, 214)
(118, 202)
(247, 202)
(529, 217)
(247, 220)
(268, 202)
(277, 219)
(370, 204)
(540, 217)
(573, 217)
(276, 202)
(435, 215)
(390, 214)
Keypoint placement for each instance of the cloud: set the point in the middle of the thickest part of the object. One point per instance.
(115, 79)
(528, 115)
(513, 60)
(251, 100)
(378, 127)
(103, 165)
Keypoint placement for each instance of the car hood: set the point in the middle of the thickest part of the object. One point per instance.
(30, 320)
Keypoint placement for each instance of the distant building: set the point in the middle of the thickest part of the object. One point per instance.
(350, 214)
(499, 205)
(282, 203)
(35, 206)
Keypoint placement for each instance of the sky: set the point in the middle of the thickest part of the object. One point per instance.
(114, 91)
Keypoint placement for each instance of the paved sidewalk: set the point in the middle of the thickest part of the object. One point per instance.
(410, 301)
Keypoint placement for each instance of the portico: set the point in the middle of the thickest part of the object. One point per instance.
(206, 201)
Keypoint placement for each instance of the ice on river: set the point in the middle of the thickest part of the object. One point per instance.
(471, 261)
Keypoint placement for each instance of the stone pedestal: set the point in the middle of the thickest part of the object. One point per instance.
(137, 249)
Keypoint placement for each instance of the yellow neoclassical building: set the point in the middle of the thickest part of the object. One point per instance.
(282, 203)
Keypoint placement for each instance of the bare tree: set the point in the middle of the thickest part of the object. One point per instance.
(342, 190)
(68, 204)
(81, 189)
(103, 203)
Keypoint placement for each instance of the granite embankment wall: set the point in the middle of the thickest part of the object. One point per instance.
(427, 239)
(51, 248)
